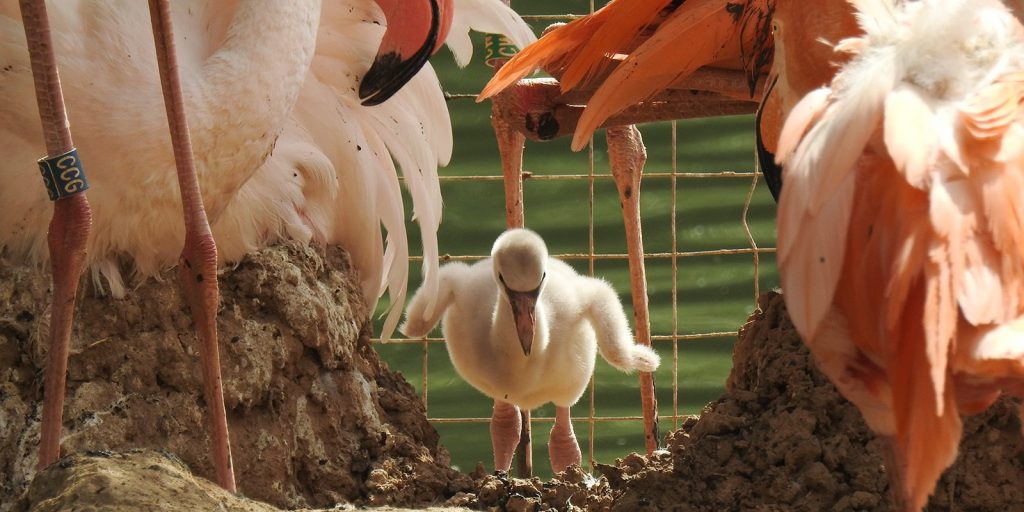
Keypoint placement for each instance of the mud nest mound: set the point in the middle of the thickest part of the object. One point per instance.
(315, 417)
(781, 438)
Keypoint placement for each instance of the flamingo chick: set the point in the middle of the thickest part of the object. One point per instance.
(524, 328)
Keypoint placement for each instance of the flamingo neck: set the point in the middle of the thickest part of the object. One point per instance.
(242, 97)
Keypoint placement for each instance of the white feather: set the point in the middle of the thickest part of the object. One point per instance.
(485, 16)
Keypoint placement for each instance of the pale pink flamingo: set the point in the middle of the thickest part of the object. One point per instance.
(282, 147)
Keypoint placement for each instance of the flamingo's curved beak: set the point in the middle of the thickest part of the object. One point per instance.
(524, 306)
(415, 31)
(771, 170)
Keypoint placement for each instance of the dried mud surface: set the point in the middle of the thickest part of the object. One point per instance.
(137, 480)
(783, 438)
(315, 417)
(780, 439)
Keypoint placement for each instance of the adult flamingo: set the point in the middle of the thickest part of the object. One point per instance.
(283, 148)
(901, 234)
(605, 50)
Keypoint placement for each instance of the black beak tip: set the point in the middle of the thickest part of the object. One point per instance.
(766, 159)
(389, 73)
(375, 88)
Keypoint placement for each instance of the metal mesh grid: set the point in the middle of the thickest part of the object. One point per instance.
(674, 176)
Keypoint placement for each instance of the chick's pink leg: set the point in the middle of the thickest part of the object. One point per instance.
(505, 427)
(562, 447)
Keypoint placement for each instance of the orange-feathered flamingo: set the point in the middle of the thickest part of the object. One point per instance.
(901, 229)
(632, 50)
(795, 73)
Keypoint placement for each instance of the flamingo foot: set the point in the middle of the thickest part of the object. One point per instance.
(563, 449)
(506, 424)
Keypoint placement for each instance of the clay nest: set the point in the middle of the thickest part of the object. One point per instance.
(781, 438)
(315, 417)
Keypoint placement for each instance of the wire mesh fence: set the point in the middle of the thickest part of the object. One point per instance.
(708, 236)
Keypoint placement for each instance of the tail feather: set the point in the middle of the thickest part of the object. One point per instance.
(552, 47)
(622, 24)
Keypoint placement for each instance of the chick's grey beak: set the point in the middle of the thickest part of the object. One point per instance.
(523, 306)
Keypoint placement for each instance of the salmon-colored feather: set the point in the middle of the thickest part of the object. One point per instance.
(925, 320)
(687, 35)
(627, 21)
(801, 117)
(699, 33)
(580, 46)
(909, 136)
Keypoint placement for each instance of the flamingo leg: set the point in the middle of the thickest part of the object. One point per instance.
(506, 425)
(511, 144)
(524, 451)
(626, 156)
(563, 449)
(69, 226)
(197, 267)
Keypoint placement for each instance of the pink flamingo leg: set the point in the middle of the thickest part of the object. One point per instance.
(506, 424)
(626, 156)
(197, 268)
(563, 449)
(69, 227)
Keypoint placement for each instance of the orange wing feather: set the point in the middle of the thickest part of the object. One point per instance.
(699, 33)
(581, 46)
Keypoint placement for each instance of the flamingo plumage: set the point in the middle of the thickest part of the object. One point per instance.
(524, 328)
(714, 33)
(282, 146)
(901, 234)
(308, 163)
